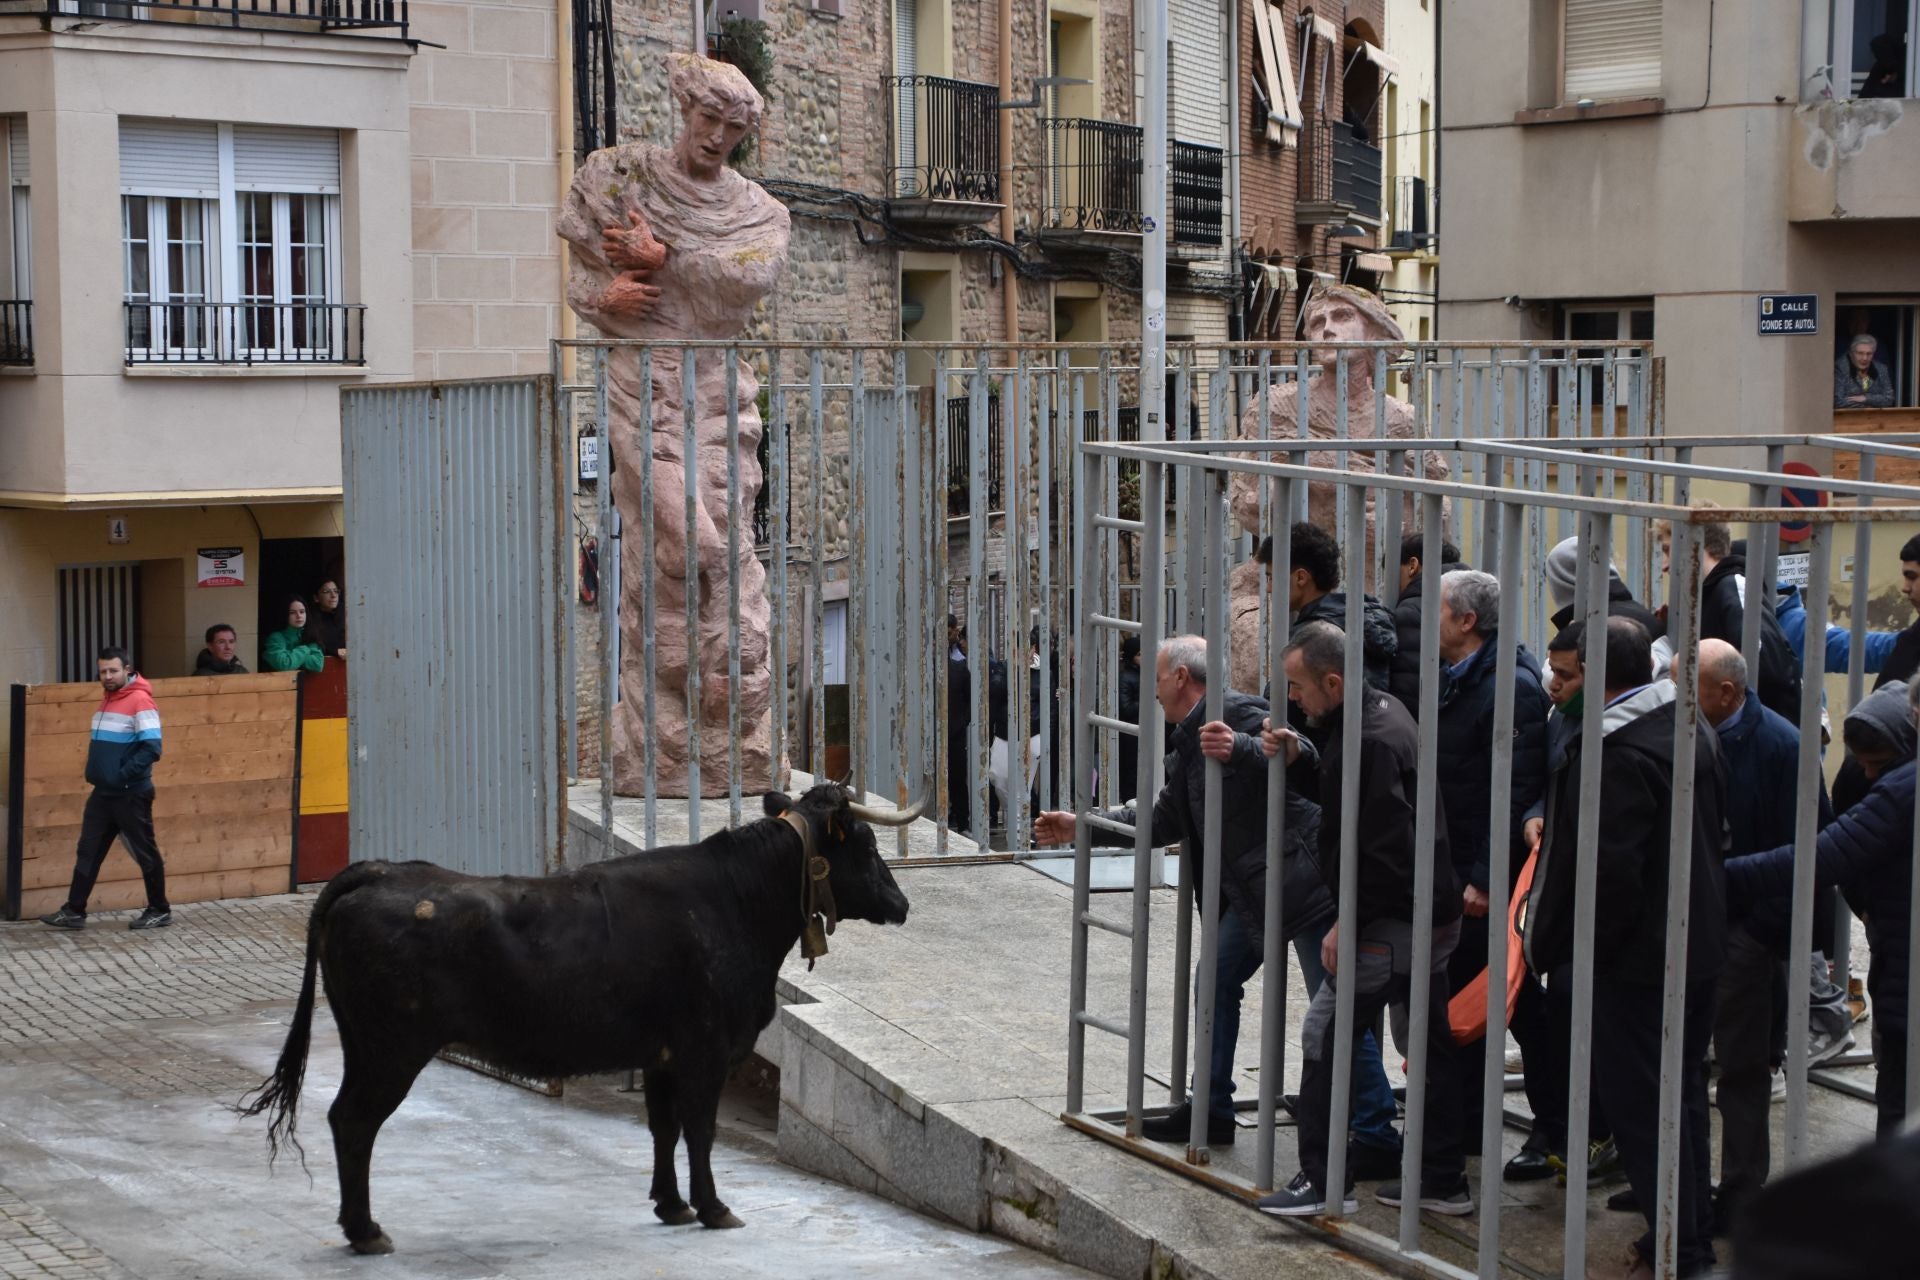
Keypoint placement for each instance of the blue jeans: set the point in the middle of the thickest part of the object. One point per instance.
(1373, 1110)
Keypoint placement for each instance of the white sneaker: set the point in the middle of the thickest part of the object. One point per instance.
(1825, 1047)
(1777, 1092)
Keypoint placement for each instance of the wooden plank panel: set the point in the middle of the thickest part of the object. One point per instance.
(275, 707)
(268, 762)
(1875, 422)
(259, 796)
(172, 687)
(180, 746)
(126, 894)
(238, 855)
(173, 833)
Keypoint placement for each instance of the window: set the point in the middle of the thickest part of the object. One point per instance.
(1604, 322)
(1610, 49)
(229, 242)
(19, 242)
(1892, 324)
(1873, 48)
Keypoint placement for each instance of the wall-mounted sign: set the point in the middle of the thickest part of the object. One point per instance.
(117, 531)
(221, 567)
(1789, 313)
(589, 456)
(1796, 498)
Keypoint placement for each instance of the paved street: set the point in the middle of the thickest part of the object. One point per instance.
(119, 1055)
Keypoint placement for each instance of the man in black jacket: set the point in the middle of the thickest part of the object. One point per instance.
(1904, 661)
(1311, 596)
(1403, 677)
(218, 659)
(1385, 759)
(1178, 814)
(1723, 614)
(1470, 660)
(1630, 931)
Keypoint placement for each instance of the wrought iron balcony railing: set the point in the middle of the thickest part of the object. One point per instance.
(16, 331)
(1199, 187)
(246, 333)
(945, 139)
(1339, 168)
(1412, 213)
(256, 15)
(1093, 172)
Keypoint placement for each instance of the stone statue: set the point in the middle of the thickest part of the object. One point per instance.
(672, 244)
(1334, 315)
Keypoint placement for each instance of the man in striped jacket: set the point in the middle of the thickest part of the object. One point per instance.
(120, 756)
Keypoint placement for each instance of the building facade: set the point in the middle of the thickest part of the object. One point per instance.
(1657, 170)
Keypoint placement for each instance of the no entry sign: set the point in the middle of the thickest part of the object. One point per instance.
(1799, 499)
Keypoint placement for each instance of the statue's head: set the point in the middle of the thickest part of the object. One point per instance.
(1342, 313)
(718, 107)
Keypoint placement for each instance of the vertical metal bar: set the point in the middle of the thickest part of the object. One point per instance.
(913, 587)
(979, 625)
(733, 586)
(1107, 692)
(1214, 546)
(1386, 542)
(1805, 835)
(776, 485)
(1343, 427)
(817, 542)
(1046, 421)
(690, 473)
(859, 579)
(649, 694)
(1684, 608)
(609, 610)
(1303, 495)
(1596, 552)
(1019, 683)
(1083, 792)
(941, 464)
(1857, 624)
(1153, 577)
(1764, 551)
(1348, 922)
(1273, 981)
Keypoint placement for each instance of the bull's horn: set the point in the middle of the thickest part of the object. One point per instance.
(889, 817)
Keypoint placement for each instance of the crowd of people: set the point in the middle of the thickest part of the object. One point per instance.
(1745, 809)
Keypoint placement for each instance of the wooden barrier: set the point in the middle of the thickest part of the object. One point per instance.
(224, 800)
(1873, 422)
(323, 773)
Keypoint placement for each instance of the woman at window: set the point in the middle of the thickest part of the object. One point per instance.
(1860, 381)
(327, 624)
(291, 648)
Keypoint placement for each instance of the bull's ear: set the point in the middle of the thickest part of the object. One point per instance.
(776, 803)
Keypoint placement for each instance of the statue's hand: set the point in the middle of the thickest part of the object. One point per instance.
(633, 248)
(629, 297)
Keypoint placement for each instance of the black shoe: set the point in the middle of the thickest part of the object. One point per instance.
(1177, 1126)
(1298, 1199)
(1370, 1162)
(151, 919)
(1624, 1201)
(1533, 1164)
(65, 918)
(1455, 1201)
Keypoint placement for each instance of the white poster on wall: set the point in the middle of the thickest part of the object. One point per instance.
(221, 567)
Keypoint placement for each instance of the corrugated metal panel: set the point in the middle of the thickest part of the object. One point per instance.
(273, 158)
(170, 157)
(1194, 108)
(455, 706)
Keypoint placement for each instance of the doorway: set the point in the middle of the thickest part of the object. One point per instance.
(295, 566)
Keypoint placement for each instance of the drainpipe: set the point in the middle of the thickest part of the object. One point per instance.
(1009, 279)
(563, 131)
(1235, 319)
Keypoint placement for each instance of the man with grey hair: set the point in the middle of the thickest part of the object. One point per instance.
(1469, 664)
(1179, 814)
(1859, 380)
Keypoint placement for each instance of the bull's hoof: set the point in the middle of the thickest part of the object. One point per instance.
(674, 1215)
(378, 1244)
(721, 1220)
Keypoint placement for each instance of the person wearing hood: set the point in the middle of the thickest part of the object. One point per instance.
(1562, 573)
(1867, 851)
(1469, 646)
(1630, 911)
(1311, 597)
(1403, 676)
(121, 752)
(1723, 594)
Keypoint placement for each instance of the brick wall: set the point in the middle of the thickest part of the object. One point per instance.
(485, 182)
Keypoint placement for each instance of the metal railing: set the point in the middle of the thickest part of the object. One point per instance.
(1198, 176)
(1412, 213)
(945, 139)
(1339, 169)
(257, 15)
(16, 331)
(246, 333)
(1093, 170)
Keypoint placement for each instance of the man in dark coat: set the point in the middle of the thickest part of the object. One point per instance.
(1403, 673)
(1470, 660)
(218, 658)
(1723, 614)
(1630, 931)
(1384, 757)
(1311, 596)
(959, 716)
(1868, 852)
(1178, 814)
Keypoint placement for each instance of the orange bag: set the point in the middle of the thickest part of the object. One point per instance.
(1467, 1011)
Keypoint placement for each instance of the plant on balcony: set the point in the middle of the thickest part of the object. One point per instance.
(743, 42)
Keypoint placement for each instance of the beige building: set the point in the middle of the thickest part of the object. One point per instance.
(1654, 169)
(214, 221)
(1408, 141)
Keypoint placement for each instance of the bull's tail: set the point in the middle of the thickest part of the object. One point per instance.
(279, 1094)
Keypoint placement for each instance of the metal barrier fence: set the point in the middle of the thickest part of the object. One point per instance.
(1540, 474)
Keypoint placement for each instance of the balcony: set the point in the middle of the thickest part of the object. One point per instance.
(16, 332)
(245, 333)
(1340, 175)
(1092, 175)
(244, 15)
(1198, 178)
(945, 144)
(1412, 225)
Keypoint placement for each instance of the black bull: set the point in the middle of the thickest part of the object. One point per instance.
(665, 961)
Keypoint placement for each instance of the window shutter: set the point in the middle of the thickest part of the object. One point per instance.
(17, 151)
(1612, 49)
(275, 158)
(170, 158)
